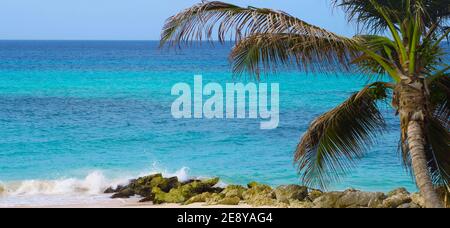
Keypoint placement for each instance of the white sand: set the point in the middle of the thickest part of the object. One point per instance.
(133, 203)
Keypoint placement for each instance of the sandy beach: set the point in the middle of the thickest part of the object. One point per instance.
(134, 203)
(156, 191)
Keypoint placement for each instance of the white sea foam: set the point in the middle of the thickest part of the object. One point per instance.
(93, 183)
(68, 190)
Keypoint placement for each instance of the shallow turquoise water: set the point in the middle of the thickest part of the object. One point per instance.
(71, 108)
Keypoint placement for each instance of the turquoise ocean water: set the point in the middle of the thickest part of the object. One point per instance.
(76, 116)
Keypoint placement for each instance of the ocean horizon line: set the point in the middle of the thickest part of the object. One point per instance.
(112, 40)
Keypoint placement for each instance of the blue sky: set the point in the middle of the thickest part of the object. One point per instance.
(131, 19)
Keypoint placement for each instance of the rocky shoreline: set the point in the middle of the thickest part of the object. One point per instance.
(160, 190)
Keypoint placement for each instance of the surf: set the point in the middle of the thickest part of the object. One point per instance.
(67, 191)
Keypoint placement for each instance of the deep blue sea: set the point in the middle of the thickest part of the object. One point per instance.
(76, 116)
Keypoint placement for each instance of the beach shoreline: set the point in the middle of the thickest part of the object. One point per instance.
(158, 191)
(398, 198)
(135, 204)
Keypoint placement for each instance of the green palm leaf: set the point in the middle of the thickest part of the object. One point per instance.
(382, 46)
(368, 18)
(265, 52)
(438, 136)
(206, 19)
(438, 150)
(334, 140)
(439, 86)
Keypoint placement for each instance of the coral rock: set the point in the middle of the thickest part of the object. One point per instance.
(287, 193)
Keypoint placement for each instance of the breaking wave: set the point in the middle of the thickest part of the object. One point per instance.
(55, 192)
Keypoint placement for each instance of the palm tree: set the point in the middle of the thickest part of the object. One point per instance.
(402, 39)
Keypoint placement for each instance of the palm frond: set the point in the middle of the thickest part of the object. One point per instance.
(439, 86)
(367, 17)
(431, 57)
(203, 21)
(383, 47)
(365, 14)
(438, 151)
(370, 55)
(438, 11)
(334, 140)
(265, 52)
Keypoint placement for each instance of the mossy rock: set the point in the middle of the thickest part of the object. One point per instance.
(112, 190)
(201, 186)
(234, 191)
(286, 193)
(201, 198)
(328, 200)
(259, 195)
(215, 198)
(144, 181)
(185, 192)
(124, 194)
(256, 185)
(173, 196)
(208, 198)
(138, 186)
(314, 194)
(397, 200)
(229, 201)
(398, 191)
(109, 190)
(165, 184)
(350, 199)
(143, 187)
(358, 199)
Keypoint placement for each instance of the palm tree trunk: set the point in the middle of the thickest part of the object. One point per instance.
(416, 143)
(412, 106)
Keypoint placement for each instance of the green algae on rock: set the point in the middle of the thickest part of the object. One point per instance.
(349, 199)
(231, 195)
(143, 186)
(201, 198)
(234, 191)
(160, 190)
(184, 192)
(314, 194)
(259, 195)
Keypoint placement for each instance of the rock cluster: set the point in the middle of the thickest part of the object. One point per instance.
(161, 190)
(158, 189)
